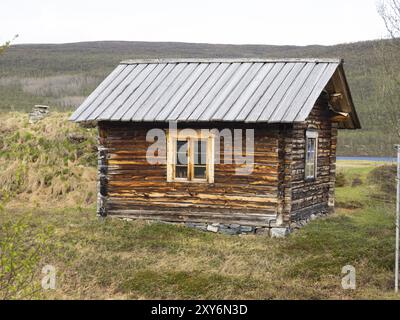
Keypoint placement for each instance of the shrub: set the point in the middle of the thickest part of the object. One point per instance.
(21, 251)
(341, 180)
(356, 182)
(385, 178)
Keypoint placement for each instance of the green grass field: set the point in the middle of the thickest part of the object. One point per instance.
(114, 259)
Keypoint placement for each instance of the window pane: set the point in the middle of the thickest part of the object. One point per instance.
(200, 172)
(181, 169)
(310, 158)
(181, 152)
(181, 172)
(312, 168)
(200, 152)
(310, 148)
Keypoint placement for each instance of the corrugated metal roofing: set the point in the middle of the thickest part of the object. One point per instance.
(200, 90)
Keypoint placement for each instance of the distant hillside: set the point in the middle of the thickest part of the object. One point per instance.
(62, 75)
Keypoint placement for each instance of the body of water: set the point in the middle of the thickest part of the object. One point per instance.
(377, 159)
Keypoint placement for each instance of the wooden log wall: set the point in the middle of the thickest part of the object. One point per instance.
(138, 189)
(275, 192)
(307, 197)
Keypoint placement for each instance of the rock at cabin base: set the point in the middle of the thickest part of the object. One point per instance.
(262, 231)
(229, 231)
(279, 232)
(212, 228)
(247, 229)
(234, 226)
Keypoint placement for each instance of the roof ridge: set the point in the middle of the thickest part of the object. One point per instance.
(231, 60)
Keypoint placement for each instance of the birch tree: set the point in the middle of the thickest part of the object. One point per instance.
(388, 52)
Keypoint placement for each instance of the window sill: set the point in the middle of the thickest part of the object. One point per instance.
(190, 181)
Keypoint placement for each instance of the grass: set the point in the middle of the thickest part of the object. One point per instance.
(141, 260)
(353, 196)
(42, 163)
(103, 259)
(114, 259)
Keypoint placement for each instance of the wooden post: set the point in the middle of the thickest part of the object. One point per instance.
(396, 285)
(102, 170)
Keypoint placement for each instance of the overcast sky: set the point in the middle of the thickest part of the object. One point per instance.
(214, 21)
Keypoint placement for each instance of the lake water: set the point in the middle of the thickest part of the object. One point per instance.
(380, 159)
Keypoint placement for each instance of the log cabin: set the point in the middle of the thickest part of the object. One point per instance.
(234, 145)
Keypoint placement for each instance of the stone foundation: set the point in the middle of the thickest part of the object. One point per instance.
(273, 231)
(231, 229)
(236, 229)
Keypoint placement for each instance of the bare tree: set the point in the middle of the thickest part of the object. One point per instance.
(388, 54)
(389, 10)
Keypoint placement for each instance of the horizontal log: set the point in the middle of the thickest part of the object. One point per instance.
(262, 220)
(190, 202)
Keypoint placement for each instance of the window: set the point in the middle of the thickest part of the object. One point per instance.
(190, 157)
(311, 154)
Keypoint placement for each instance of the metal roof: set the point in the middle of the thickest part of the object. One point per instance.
(197, 90)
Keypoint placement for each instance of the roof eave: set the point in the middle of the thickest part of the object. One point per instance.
(353, 114)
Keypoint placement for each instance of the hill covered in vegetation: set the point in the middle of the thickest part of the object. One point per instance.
(62, 75)
(49, 163)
